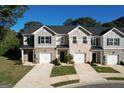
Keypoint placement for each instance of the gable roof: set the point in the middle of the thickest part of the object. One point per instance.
(62, 29)
(96, 31)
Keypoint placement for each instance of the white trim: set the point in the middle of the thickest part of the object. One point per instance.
(77, 28)
(42, 28)
(113, 48)
(113, 29)
(93, 41)
(22, 55)
(45, 47)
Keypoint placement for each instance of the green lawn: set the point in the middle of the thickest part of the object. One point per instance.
(62, 70)
(105, 69)
(11, 73)
(115, 78)
(65, 83)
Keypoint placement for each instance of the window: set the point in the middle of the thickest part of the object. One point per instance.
(116, 41)
(113, 41)
(62, 40)
(93, 41)
(42, 40)
(48, 39)
(84, 39)
(74, 39)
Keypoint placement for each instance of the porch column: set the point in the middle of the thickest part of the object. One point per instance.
(101, 57)
(22, 55)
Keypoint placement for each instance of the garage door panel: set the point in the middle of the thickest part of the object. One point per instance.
(79, 58)
(45, 58)
(112, 59)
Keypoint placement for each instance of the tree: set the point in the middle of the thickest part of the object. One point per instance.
(115, 23)
(32, 25)
(10, 41)
(68, 22)
(84, 21)
(10, 13)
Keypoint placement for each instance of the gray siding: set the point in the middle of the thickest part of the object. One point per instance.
(44, 32)
(99, 42)
(112, 34)
(66, 39)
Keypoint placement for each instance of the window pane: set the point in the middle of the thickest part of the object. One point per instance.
(62, 39)
(116, 41)
(74, 39)
(84, 39)
(42, 39)
(48, 39)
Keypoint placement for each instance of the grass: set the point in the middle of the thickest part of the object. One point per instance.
(11, 73)
(65, 83)
(115, 78)
(62, 70)
(105, 69)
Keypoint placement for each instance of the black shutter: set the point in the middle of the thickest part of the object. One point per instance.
(38, 39)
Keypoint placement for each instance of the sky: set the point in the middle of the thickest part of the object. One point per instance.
(56, 15)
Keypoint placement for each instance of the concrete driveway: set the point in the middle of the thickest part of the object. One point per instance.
(88, 75)
(38, 77)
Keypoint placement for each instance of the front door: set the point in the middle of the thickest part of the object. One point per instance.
(94, 57)
(30, 56)
(62, 54)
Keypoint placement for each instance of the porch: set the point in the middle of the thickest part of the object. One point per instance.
(27, 53)
(97, 55)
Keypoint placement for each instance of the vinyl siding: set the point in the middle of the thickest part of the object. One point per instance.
(44, 32)
(79, 46)
(58, 39)
(112, 34)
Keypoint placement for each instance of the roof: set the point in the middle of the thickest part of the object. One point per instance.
(27, 47)
(96, 31)
(62, 29)
(96, 48)
(62, 46)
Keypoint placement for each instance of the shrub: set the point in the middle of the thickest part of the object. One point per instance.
(71, 62)
(18, 62)
(66, 58)
(71, 59)
(56, 62)
(93, 63)
(122, 63)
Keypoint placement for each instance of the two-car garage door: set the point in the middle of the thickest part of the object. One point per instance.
(79, 57)
(112, 59)
(45, 57)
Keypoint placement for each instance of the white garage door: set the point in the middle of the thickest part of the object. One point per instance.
(79, 58)
(112, 59)
(45, 58)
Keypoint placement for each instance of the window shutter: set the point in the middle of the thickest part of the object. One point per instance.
(38, 39)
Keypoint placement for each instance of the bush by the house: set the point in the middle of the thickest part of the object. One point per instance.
(122, 63)
(71, 59)
(66, 58)
(93, 63)
(56, 62)
(18, 62)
